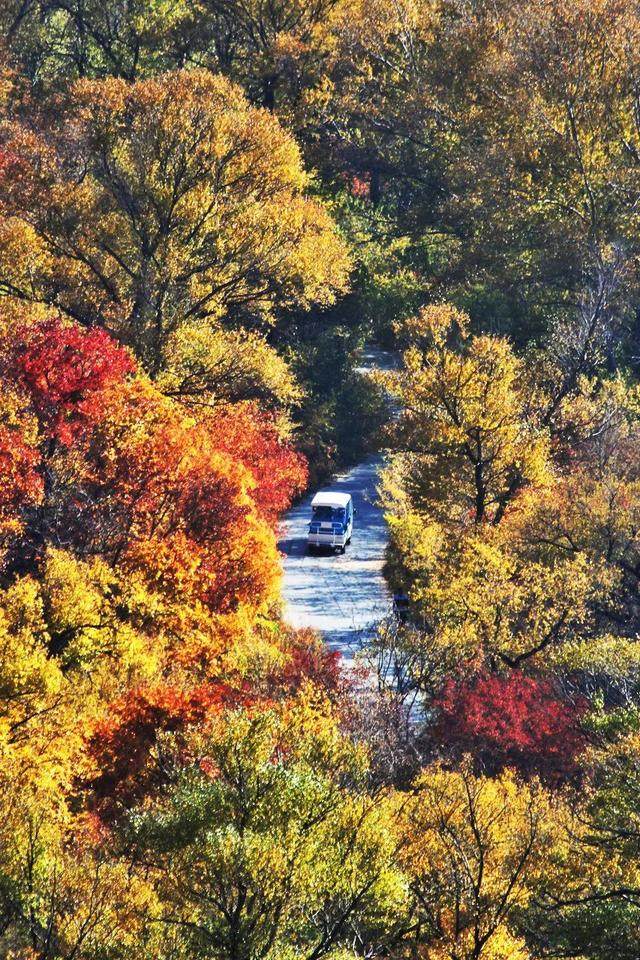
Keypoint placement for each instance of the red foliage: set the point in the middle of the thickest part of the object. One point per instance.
(8, 160)
(122, 746)
(20, 479)
(64, 366)
(309, 659)
(511, 721)
(134, 480)
(250, 436)
(358, 185)
(13, 168)
(361, 187)
(130, 477)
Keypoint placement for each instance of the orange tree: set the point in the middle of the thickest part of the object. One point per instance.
(97, 466)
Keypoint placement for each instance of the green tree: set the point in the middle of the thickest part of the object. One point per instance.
(268, 846)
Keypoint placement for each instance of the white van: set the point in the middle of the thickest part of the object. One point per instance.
(331, 522)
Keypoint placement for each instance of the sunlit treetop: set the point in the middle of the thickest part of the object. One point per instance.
(144, 207)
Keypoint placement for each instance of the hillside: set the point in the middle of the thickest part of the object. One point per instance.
(254, 249)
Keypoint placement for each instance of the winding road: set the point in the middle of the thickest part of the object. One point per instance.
(340, 596)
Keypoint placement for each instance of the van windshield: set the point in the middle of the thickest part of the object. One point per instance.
(328, 513)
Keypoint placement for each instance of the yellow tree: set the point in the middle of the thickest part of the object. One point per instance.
(486, 601)
(467, 412)
(475, 850)
(220, 365)
(59, 895)
(474, 467)
(166, 202)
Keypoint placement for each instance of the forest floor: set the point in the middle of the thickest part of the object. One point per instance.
(340, 596)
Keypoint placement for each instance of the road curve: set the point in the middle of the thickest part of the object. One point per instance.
(340, 596)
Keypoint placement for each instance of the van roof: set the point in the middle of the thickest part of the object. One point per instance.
(328, 499)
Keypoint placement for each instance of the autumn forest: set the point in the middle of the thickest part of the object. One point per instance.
(208, 208)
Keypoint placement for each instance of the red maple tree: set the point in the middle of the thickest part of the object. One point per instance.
(65, 367)
(516, 721)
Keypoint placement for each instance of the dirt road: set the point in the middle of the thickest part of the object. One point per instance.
(341, 597)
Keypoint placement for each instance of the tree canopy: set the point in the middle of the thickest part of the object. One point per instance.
(208, 210)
